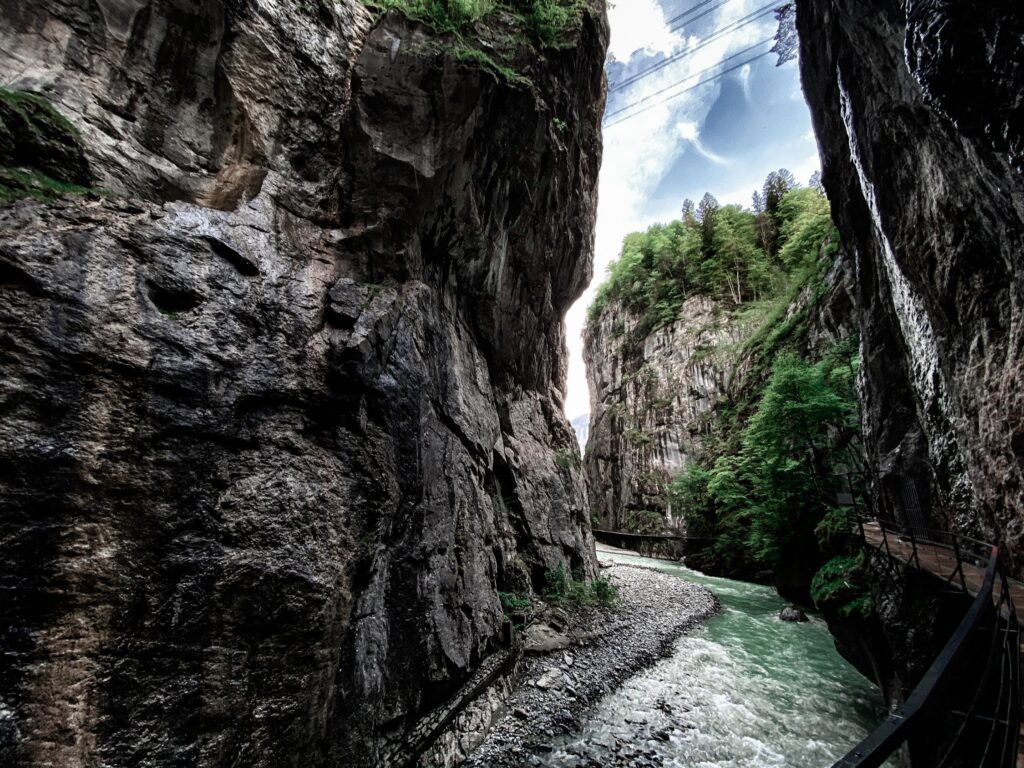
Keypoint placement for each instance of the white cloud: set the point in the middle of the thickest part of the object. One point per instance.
(744, 77)
(639, 152)
(689, 131)
(639, 26)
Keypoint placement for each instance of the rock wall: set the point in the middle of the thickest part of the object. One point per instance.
(918, 110)
(283, 411)
(655, 401)
(651, 405)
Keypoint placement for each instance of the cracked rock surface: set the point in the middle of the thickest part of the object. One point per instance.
(282, 413)
(917, 107)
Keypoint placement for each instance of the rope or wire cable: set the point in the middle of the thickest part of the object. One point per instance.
(678, 21)
(681, 24)
(668, 98)
(704, 71)
(717, 34)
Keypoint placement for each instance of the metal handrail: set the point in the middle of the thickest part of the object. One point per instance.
(666, 536)
(879, 745)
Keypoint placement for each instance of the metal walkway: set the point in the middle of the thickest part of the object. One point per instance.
(965, 711)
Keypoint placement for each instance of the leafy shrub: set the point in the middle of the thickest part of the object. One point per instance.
(841, 585)
(561, 587)
(556, 583)
(515, 606)
(603, 591)
(645, 521)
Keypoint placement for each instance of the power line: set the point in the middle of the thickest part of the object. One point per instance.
(668, 98)
(714, 66)
(680, 18)
(673, 25)
(738, 24)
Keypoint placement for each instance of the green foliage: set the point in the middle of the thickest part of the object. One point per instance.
(546, 20)
(637, 436)
(772, 498)
(40, 151)
(550, 19)
(764, 493)
(690, 495)
(567, 458)
(724, 252)
(841, 586)
(17, 184)
(806, 224)
(561, 587)
(645, 521)
(556, 583)
(515, 606)
(442, 15)
(603, 592)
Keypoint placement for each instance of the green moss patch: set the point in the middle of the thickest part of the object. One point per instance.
(508, 26)
(41, 154)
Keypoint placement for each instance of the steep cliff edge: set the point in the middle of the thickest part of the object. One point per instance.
(652, 407)
(283, 411)
(918, 111)
(682, 339)
(917, 107)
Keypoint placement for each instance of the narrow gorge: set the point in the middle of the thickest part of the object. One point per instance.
(287, 305)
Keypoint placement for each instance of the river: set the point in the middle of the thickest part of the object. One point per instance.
(746, 690)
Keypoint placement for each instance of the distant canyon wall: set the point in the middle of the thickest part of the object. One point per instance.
(657, 397)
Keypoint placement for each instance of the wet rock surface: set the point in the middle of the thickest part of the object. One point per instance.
(917, 111)
(281, 415)
(558, 688)
(916, 106)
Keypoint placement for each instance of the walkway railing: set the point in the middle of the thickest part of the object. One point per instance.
(978, 670)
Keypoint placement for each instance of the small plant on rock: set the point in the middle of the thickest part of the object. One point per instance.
(556, 583)
(515, 606)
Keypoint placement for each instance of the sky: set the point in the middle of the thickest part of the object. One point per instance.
(721, 137)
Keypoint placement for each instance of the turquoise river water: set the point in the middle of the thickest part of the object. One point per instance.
(746, 690)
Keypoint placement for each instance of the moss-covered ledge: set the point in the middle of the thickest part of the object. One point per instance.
(41, 152)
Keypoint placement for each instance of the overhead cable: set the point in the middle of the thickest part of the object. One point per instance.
(716, 35)
(668, 98)
(714, 66)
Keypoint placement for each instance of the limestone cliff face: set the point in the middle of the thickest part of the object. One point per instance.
(918, 110)
(651, 402)
(655, 400)
(283, 412)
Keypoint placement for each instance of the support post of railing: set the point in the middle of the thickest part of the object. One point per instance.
(959, 562)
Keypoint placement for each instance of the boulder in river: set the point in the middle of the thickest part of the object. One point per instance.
(792, 613)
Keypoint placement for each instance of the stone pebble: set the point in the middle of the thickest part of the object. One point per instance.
(556, 690)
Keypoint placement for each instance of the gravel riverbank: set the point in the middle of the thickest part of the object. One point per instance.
(558, 687)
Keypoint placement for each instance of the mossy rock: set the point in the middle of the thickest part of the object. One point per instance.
(41, 153)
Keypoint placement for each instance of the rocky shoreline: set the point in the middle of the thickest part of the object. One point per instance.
(557, 687)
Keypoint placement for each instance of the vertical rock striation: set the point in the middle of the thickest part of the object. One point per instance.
(651, 405)
(917, 106)
(656, 399)
(283, 412)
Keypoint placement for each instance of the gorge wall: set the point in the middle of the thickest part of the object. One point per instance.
(658, 395)
(651, 405)
(282, 410)
(918, 111)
